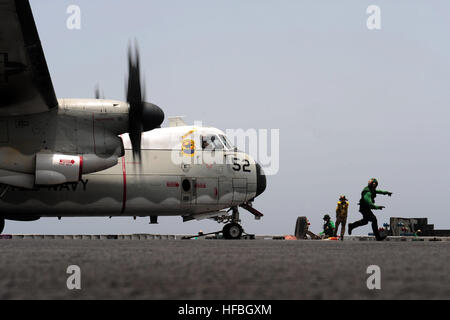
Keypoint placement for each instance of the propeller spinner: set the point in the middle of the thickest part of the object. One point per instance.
(143, 116)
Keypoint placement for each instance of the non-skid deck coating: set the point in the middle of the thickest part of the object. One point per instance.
(217, 269)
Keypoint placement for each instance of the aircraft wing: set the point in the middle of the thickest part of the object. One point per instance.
(25, 83)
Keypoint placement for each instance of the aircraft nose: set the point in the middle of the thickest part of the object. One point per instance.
(261, 181)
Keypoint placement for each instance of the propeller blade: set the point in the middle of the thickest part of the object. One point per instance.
(134, 98)
(142, 116)
(97, 93)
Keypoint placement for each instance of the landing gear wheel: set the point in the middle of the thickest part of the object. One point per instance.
(232, 231)
(2, 225)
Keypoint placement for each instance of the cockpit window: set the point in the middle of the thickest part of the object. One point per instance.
(226, 142)
(211, 142)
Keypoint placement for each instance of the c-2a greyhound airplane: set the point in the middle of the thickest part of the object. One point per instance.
(97, 157)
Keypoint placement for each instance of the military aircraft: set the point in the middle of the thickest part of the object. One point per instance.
(98, 157)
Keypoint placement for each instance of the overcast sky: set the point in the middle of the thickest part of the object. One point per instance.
(350, 103)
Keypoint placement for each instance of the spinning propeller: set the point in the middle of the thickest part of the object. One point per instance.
(143, 116)
(97, 93)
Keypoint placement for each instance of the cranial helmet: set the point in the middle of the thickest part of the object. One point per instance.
(373, 180)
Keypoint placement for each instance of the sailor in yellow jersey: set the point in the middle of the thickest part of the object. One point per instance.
(341, 215)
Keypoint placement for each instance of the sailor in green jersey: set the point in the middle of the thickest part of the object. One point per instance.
(366, 204)
(328, 227)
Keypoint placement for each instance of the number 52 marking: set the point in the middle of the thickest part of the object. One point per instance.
(238, 167)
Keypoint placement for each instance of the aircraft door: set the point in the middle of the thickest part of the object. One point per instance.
(187, 191)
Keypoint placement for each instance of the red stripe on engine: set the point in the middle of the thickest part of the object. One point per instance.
(124, 171)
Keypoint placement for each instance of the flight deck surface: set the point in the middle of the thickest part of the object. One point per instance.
(215, 269)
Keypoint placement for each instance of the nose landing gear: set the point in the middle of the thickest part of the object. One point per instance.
(232, 231)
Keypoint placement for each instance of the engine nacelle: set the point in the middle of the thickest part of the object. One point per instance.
(54, 169)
